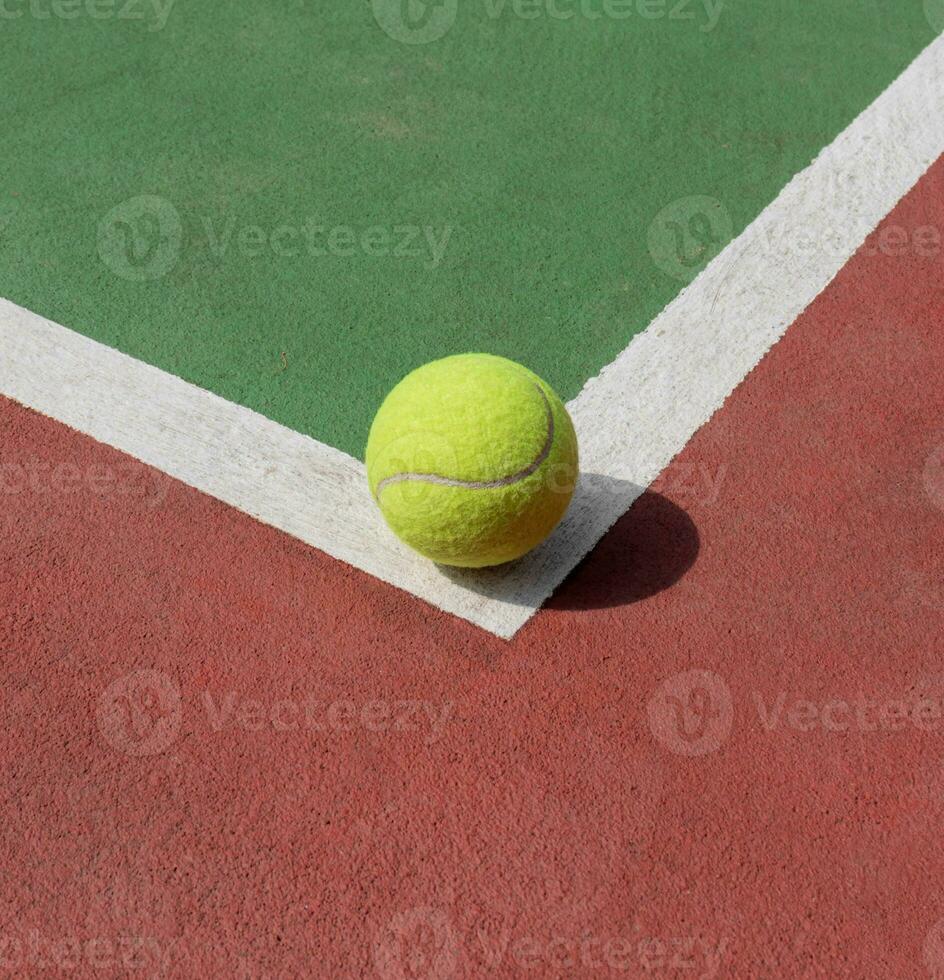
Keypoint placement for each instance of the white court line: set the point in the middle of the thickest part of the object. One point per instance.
(632, 419)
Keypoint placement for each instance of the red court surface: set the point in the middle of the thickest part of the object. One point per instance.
(718, 752)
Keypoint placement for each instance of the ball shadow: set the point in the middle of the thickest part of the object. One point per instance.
(651, 545)
(647, 551)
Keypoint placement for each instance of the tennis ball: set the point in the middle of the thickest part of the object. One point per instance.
(472, 460)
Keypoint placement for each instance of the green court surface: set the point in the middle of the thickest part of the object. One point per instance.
(294, 203)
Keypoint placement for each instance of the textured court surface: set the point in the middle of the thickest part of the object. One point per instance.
(291, 203)
(717, 752)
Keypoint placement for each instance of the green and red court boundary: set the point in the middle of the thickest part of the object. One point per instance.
(632, 419)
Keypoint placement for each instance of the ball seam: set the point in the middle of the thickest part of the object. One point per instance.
(506, 481)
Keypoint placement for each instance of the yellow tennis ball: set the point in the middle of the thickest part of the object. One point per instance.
(472, 460)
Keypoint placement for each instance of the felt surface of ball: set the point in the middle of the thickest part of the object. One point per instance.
(472, 460)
